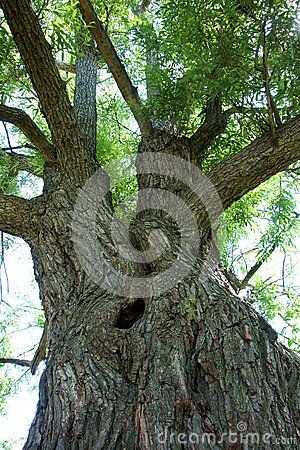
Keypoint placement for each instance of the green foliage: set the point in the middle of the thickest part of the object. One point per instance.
(6, 382)
(267, 214)
(196, 52)
(264, 221)
(266, 296)
(5, 445)
(116, 141)
(280, 306)
(40, 318)
(202, 51)
(8, 182)
(191, 306)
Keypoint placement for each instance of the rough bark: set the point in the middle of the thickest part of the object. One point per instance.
(17, 216)
(85, 96)
(128, 372)
(114, 63)
(214, 124)
(164, 372)
(121, 378)
(36, 53)
(266, 156)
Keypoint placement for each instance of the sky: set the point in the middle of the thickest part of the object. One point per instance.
(22, 291)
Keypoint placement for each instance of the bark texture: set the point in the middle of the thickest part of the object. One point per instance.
(106, 48)
(85, 96)
(160, 372)
(194, 367)
(133, 374)
(30, 129)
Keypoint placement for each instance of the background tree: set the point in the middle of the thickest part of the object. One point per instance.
(217, 87)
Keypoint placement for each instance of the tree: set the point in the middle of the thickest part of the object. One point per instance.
(147, 344)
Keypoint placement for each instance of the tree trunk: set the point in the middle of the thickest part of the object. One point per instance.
(133, 361)
(85, 95)
(165, 373)
(195, 367)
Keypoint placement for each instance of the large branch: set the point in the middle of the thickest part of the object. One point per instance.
(256, 163)
(22, 120)
(51, 89)
(16, 216)
(113, 61)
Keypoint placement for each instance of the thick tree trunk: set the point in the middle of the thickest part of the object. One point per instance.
(169, 372)
(193, 368)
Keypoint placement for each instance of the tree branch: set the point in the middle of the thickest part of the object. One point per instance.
(65, 67)
(20, 163)
(16, 216)
(263, 158)
(18, 362)
(22, 120)
(40, 352)
(256, 267)
(142, 7)
(273, 113)
(214, 124)
(113, 61)
(74, 159)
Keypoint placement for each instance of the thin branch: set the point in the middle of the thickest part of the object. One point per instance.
(22, 120)
(18, 362)
(283, 270)
(17, 162)
(254, 269)
(38, 357)
(3, 264)
(65, 67)
(214, 124)
(40, 352)
(7, 135)
(113, 61)
(266, 81)
(273, 113)
(18, 147)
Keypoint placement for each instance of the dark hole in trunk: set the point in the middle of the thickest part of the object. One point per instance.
(130, 314)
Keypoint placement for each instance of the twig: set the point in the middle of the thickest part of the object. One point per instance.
(18, 362)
